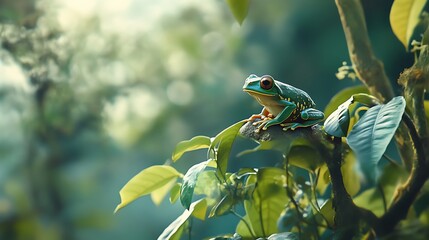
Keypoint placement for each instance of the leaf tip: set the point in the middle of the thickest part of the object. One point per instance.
(117, 208)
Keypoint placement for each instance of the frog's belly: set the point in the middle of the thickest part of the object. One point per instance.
(277, 109)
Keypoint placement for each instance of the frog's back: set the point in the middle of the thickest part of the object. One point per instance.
(297, 96)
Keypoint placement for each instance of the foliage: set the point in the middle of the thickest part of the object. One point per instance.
(239, 9)
(290, 200)
(404, 17)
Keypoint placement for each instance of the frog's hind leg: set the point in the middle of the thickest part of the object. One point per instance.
(312, 114)
(293, 126)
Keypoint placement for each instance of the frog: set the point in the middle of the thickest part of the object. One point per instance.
(283, 104)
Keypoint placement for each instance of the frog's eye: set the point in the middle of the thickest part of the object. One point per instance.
(266, 82)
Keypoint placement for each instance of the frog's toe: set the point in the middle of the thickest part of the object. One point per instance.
(295, 126)
(255, 117)
(287, 126)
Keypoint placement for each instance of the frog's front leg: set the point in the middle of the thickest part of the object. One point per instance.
(281, 117)
(263, 115)
(310, 116)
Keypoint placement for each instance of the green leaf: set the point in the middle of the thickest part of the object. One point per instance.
(223, 141)
(305, 156)
(175, 229)
(372, 133)
(391, 177)
(343, 96)
(208, 184)
(283, 236)
(341, 121)
(370, 199)
(299, 151)
(427, 110)
(146, 182)
(267, 202)
(189, 182)
(288, 219)
(198, 142)
(328, 212)
(350, 175)
(404, 17)
(200, 209)
(323, 179)
(242, 228)
(175, 192)
(239, 9)
(159, 194)
(222, 207)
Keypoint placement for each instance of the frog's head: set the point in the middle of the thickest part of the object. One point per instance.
(264, 85)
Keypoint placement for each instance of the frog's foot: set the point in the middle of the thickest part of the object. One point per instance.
(293, 126)
(287, 126)
(256, 116)
(262, 124)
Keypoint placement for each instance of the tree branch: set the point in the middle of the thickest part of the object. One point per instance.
(368, 68)
(413, 80)
(332, 152)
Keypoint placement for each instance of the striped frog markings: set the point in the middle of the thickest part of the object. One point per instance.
(283, 104)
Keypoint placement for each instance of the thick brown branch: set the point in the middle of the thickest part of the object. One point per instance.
(413, 80)
(331, 151)
(406, 195)
(347, 227)
(368, 68)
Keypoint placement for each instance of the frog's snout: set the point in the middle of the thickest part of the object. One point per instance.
(249, 80)
(246, 83)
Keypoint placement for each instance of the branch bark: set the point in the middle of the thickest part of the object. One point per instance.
(371, 72)
(368, 68)
(348, 217)
(413, 79)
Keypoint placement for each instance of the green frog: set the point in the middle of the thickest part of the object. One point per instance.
(283, 104)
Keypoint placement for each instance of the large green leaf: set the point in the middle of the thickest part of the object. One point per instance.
(223, 206)
(175, 192)
(372, 133)
(175, 229)
(404, 17)
(392, 176)
(343, 96)
(198, 142)
(305, 156)
(200, 209)
(159, 194)
(145, 182)
(239, 9)
(243, 230)
(189, 182)
(268, 201)
(300, 151)
(288, 219)
(350, 174)
(370, 199)
(208, 184)
(328, 212)
(223, 143)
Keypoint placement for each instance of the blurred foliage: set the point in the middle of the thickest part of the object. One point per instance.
(93, 92)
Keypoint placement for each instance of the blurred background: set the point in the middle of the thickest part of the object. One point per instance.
(92, 92)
